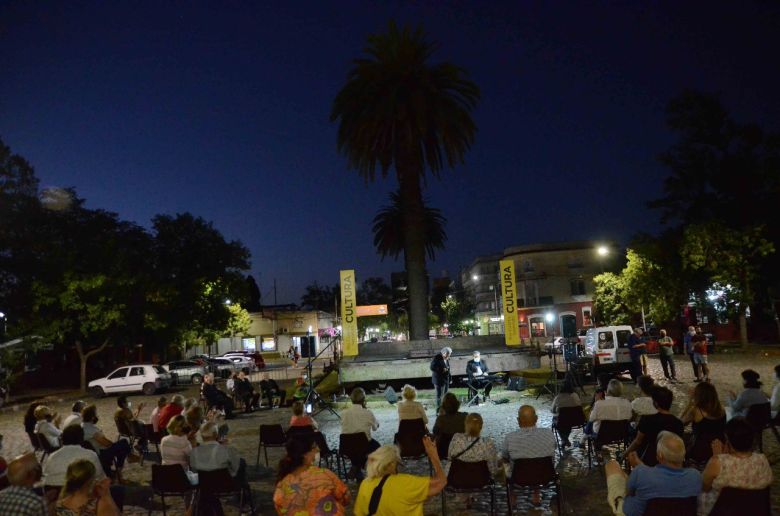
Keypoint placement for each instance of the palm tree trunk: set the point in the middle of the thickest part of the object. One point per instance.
(414, 252)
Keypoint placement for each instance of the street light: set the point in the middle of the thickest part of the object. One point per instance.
(5, 323)
(549, 317)
(603, 250)
(475, 277)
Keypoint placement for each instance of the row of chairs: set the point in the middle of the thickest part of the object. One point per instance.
(755, 502)
(170, 480)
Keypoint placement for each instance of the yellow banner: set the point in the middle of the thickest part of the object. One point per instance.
(349, 329)
(509, 298)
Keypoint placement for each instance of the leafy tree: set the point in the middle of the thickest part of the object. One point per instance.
(456, 309)
(254, 297)
(319, 297)
(239, 321)
(609, 307)
(398, 111)
(389, 234)
(651, 286)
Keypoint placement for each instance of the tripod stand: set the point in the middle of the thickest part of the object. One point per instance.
(553, 378)
(313, 397)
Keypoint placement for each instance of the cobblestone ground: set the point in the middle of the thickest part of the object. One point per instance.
(584, 490)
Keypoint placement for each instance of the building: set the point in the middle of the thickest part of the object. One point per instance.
(480, 280)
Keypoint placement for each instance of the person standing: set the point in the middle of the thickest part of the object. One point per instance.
(689, 350)
(440, 374)
(666, 354)
(636, 348)
(699, 343)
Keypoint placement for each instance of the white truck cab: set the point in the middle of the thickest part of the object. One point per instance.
(606, 348)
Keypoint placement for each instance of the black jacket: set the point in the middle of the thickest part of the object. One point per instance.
(213, 395)
(440, 370)
(471, 368)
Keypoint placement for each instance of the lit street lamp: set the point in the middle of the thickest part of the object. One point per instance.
(5, 323)
(549, 317)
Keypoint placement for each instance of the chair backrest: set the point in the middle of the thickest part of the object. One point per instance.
(758, 416)
(755, 502)
(570, 417)
(272, 434)
(122, 427)
(612, 431)
(443, 445)
(300, 430)
(45, 444)
(88, 446)
(533, 472)
(169, 478)
(671, 507)
(409, 437)
(154, 437)
(217, 482)
(34, 440)
(468, 475)
(353, 445)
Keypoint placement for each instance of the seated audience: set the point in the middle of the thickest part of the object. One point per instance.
(775, 399)
(602, 381)
(29, 417)
(176, 447)
(246, 392)
(75, 416)
(154, 418)
(84, 494)
(450, 421)
(56, 465)
(643, 405)
(356, 419)
(269, 388)
(127, 422)
(194, 420)
(734, 464)
(650, 425)
(298, 417)
(708, 421)
(109, 452)
(528, 442)
(401, 493)
(20, 499)
(477, 373)
(213, 455)
(565, 399)
(215, 397)
(230, 383)
(471, 447)
(629, 494)
(408, 408)
(171, 409)
(47, 425)
(612, 408)
(304, 488)
(751, 395)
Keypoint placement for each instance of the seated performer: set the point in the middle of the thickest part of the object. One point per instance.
(477, 371)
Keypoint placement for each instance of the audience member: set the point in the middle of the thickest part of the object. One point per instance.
(304, 488)
(109, 452)
(215, 397)
(176, 447)
(666, 354)
(751, 395)
(213, 455)
(269, 389)
(56, 465)
(688, 342)
(651, 425)
(173, 408)
(699, 344)
(127, 422)
(528, 442)
(565, 399)
(84, 494)
(471, 447)
(775, 399)
(47, 425)
(602, 380)
(230, 383)
(246, 392)
(358, 418)
(29, 417)
(194, 419)
(20, 499)
(408, 408)
(734, 464)
(299, 418)
(643, 405)
(638, 353)
(154, 419)
(75, 416)
(612, 408)
(401, 493)
(708, 421)
(450, 421)
(628, 495)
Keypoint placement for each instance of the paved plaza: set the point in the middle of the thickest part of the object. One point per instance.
(584, 489)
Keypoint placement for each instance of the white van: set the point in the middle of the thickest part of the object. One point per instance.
(606, 349)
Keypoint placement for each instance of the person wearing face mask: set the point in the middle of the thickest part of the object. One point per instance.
(110, 453)
(126, 419)
(20, 499)
(688, 340)
(477, 371)
(304, 488)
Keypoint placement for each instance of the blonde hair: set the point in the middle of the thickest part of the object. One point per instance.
(409, 392)
(383, 461)
(176, 425)
(473, 424)
(297, 408)
(41, 411)
(79, 474)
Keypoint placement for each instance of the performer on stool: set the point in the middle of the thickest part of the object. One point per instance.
(477, 371)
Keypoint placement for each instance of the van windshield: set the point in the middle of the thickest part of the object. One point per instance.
(622, 337)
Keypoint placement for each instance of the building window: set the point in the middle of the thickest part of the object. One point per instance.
(577, 287)
(249, 343)
(268, 344)
(587, 318)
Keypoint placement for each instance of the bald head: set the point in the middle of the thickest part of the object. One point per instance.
(670, 449)
(24, 471)
(526, 416)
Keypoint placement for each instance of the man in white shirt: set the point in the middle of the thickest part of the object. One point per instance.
(213, 455)
(75, 417)
(356, 419)
(612, 408)
(57, 463)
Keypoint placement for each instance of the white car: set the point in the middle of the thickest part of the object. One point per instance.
(240, 362)
(555, 345)
(132, 378)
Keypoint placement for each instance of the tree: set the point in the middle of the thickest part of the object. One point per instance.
(239, 321)
(609, 307)
(457, 309)
(319, 297)
(398, 111)
(389, 235)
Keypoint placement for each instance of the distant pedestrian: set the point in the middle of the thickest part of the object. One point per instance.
(689, 350)
(293, 355)
(636, 350)
(666, 353)
(699, 342)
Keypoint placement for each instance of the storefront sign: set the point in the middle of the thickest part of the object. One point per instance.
(364, 310)
(349, 330)
(509, 297)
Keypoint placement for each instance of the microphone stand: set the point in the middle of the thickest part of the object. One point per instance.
(313, 397)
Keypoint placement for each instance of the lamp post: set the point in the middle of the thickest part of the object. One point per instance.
(5, 323)
(549, 317)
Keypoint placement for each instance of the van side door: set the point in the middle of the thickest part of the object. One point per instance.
(623, 354)
(605, 346)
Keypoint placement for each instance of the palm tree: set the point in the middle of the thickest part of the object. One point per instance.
(388, 229)
(398, 111)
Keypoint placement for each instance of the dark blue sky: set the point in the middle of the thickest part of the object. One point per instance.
(221, 109)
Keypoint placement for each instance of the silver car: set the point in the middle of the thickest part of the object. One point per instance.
(186, 371)
(223, 367)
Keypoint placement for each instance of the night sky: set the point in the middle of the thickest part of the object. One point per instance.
(222, 110)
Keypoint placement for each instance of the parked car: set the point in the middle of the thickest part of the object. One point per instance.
(241, 362)
(254, 355)
(132, 378)
(223, 367)
(186, 371)
(555, 345)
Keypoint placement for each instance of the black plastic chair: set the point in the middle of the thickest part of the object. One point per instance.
(443, 445)
(326, 453)
(469, 477)
(753, 502)
(758, 417)
(219, 484)
(271, 436)
(46, 446)
(568, 417)
(170, 480)
(353, 447)
(611, 432)
(671, 507)
(410, 439)
(537, 473)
